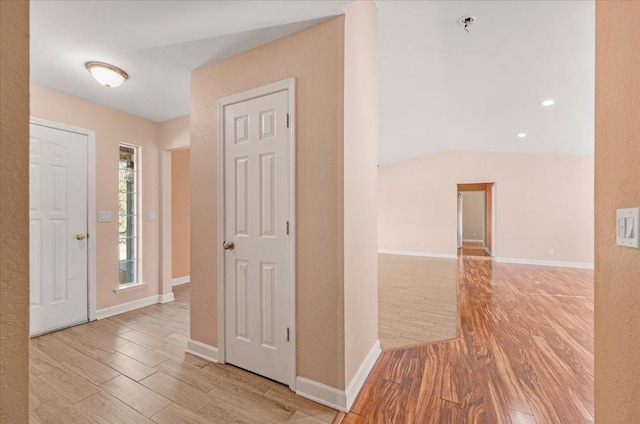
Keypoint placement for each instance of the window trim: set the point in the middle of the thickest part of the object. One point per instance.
(138, 282)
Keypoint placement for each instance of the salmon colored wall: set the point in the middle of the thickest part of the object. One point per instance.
(617, 272)
(473, 215)
(488, 216)
(14, 211)
(112, 127)
(315, 58)
(360, 183)
(174, 134)
(180, 213)
(543, 202)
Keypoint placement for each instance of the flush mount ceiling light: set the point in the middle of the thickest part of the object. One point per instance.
(107, 75)
(522, 135)
(547, 102)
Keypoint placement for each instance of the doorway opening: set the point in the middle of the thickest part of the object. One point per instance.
(476, 224)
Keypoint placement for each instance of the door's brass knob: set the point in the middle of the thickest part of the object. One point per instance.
(228, 245)
(80, 236)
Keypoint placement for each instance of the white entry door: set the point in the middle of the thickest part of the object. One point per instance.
(257, 207)
(58, 229)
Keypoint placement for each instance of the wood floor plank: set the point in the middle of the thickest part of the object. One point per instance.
(106, 409)
(60, 411)
(127, 365)
(142, 354)
(71, 385)
(137, 396)
(179, 392)
(92, 370)
(269, 410)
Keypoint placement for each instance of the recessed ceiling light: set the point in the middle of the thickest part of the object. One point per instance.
(547, 102)
(107, 75)
(522, 135)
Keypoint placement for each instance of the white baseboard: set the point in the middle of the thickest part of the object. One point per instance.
(126, 307)
(164, 298)
(473, 241)
(181, 280)
(424, 254)
(202, 350)
(363, 372)
(321, 393)
(584, 265)
(342, 400)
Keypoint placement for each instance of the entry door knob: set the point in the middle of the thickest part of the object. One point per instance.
(80, 236)
(228, 245)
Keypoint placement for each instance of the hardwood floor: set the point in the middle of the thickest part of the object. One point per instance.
(132, 368)
(417, 300)
(470, 248)
(524, 354)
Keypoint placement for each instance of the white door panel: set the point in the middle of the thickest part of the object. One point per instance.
(257, 205)
(58, 212)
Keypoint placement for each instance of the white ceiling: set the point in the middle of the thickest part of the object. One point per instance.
(440, 88)
(158, 43)
(444, 89)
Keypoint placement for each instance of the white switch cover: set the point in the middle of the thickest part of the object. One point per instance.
(627, 227)
(152, 216)
(104, 216)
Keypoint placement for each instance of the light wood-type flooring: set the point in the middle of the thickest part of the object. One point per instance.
(417, 300)
(132, 368)
(524, 355)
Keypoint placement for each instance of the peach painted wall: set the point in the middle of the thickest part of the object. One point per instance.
(174, 134)
(617, 272)
(180, 213)
(360, 182)
(112, 127)
(473, 215)
(543, 202)
(314, 57)
(14, 211)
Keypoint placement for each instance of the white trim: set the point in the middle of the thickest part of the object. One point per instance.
(284, 85)
(321, 393)
(411, 253)
(126, 307)
(584, 265)
(166, 298)
(181, 280)
(202, 350)
(127, 287)
(473, 241)
(91, 206)
(488, 251)
(363, 372)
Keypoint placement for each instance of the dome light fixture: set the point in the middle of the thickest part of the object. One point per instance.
(522, 135)
(547, 102)
(107, 75)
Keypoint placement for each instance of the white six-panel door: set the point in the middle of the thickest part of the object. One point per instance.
(257, 204)
(58, 229)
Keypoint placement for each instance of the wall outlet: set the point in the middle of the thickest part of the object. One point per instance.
(152, 216)
(104, 216)
(552, 252)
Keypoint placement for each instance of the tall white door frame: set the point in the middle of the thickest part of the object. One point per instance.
(91, 204)
(289, 86)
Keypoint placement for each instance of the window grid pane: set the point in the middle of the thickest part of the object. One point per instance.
(127, 214)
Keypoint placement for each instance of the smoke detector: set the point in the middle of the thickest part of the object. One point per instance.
(466, 21)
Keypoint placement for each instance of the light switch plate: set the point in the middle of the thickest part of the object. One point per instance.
(104, 216)
(152, 216)
(627, 227)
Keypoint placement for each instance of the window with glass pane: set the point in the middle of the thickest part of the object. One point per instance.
(128, 176)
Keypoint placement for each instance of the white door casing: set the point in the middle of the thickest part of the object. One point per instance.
(59, 260)
(257, 220)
